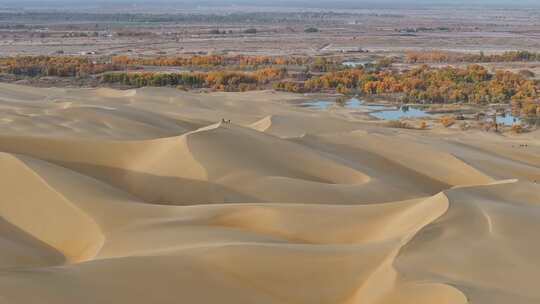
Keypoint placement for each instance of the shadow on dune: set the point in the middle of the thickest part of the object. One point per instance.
(21, 249)
(163, 190)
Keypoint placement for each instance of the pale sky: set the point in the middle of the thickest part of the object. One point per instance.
(289, 3)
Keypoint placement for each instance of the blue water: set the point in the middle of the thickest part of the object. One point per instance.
(352, 103)
(380, 111)
(403, 112)
(508, 119)
(392, 113)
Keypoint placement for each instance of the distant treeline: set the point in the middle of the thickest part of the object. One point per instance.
(316, 64)
(453, 57)
(76, 66)
(218, 80)
(211, 60)
(61, 66)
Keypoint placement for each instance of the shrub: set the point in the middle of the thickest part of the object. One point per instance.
(447, 121)
(530, 109)
(517, 128)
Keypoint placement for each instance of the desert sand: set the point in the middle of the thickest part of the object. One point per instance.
(146, 196)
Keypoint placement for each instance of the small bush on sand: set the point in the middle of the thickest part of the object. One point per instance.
(448, 121)
(517, 128)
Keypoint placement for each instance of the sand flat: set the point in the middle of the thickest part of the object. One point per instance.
(146, 196)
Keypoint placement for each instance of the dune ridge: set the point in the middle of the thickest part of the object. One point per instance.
(282, 205)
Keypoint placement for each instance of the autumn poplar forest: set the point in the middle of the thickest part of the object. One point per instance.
(387, 76)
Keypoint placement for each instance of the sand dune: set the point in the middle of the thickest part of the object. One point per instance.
(145, 196)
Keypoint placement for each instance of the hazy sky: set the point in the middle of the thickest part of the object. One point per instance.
(293, 3)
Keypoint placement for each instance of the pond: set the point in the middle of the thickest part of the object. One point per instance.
(353, 103)
(386, 112)
(402, 112)
(383, 112)
(508, 119)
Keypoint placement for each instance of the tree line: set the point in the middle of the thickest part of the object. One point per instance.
(78, 66)
(240, 61)
(455, 57)
(217, 80)
(61, 66)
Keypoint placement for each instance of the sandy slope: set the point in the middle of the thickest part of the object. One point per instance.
(144, 196)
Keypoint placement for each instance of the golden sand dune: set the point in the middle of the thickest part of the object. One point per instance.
(147, 197)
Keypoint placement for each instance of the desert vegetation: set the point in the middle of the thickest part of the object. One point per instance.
(449, 57)
(473, 84)
(213, 61)
(218, 80)
(62, 66)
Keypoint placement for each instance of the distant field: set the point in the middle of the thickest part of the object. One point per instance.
(273, 32)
